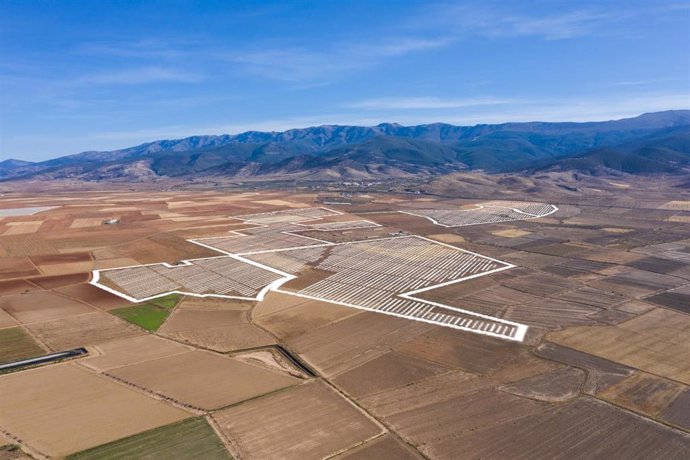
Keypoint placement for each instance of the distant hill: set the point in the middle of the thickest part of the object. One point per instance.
(665, 152)
(650, 143)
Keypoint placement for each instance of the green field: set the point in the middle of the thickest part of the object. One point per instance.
(149, 315)
(16, 344)
(189, 439)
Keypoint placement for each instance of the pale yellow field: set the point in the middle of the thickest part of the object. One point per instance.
(62, 409)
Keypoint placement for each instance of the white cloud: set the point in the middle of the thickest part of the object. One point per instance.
(137, 76)
(422, 103)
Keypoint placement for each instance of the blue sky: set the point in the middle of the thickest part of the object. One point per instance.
(87, 75)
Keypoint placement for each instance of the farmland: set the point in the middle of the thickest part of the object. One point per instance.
(267, 324)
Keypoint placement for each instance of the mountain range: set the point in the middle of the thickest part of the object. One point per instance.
(648, 144)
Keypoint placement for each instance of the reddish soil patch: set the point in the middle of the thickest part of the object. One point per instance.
(53, 259)
(52, 282)
(17, 267)
(16, 287)
(94, 296)
(383, 448)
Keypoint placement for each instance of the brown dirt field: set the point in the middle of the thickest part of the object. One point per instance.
(463, 350)
(164, 248)
(434, 424)
(594, 430)
(289, 316)
(52, 282)
(657, 342)
(203, 380)
(15, 344)
(38, 306)
(6, 320)
(601, 373)
(114, 263)
(342, 345)
(552, 314)
(558, 386)
(17, 267)
(636, 307)
(677, 412)
(308, 421)
(198, 303)
(16, 287)
(611, 316)
(644, 393)
(132, 350)
(219, 330)
(53, 259)
(62, 409)
(449, 238)
(93, 296)
(82, 330)
(386, 372)
(189, 320)
(382, 448)
(492, 301)
(541, 284)
(225, 339)
(306, 278)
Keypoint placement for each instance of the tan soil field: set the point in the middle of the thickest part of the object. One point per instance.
(40, 306)
(219, 330)
(289, 316)
(7, 320)
(65, 269)
(644, 393)
(382, 448)
(345, 344)
(132, 350)
(449, 238)
(82, 330)
(657, 342)
(557, 386)
(511, 233)
(22, 228)
(203, 380)
(289, 204)
(677, 205)
(87, 222)
(386, 372)
(308, 421)
(61, 409)
(17, 267)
